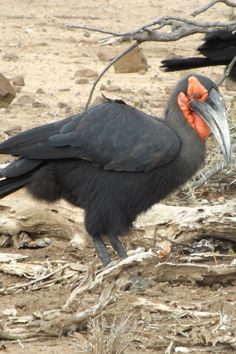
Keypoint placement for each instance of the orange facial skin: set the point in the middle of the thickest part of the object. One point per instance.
(195, 91)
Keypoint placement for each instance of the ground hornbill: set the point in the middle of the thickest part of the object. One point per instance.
(115, 161)
(219, 48)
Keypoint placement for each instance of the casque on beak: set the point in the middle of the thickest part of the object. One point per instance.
(213, 112)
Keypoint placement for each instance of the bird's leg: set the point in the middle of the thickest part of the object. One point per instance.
(117, 245)
(101, 250)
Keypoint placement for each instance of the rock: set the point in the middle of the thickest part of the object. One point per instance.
(40, 91)
(37, 104)
(62, 105)
(132, 62)
(86, 73)
(111, 88)
(18, 80)
(25, 99)
(82, 81)
(106, 54)
(10, 57)
(7, 92)
(87, 34)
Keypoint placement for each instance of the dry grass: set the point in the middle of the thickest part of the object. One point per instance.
(114, 338)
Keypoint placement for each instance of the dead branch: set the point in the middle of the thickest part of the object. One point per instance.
(185, 224)
(149, 305)
(179, 224)
(212, 3)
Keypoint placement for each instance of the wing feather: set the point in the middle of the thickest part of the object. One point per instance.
(112, 135)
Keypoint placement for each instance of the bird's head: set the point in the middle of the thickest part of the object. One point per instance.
(204, 110)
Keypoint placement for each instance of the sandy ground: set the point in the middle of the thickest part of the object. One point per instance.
(48, 56)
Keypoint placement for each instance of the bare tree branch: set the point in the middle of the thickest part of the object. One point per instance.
(180, 27)
(212, 3)
(227, 71)
(127, 50)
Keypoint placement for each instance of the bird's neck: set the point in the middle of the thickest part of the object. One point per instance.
(192, 153)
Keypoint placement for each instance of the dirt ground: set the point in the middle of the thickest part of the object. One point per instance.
(35, 43)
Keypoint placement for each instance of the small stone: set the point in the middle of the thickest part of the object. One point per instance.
(10, 57)
(82, 81)
(87, 34)
(7, 92)
(113, 88)
(24, 100)
(62, 104)
(37, 104)
(40, 91)
(18, 80)
(86, 73)
(132, 62)
(106, 55)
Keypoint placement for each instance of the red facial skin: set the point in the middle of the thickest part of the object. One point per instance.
(196, 91)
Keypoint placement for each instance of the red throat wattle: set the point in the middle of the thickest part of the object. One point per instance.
(195, 91)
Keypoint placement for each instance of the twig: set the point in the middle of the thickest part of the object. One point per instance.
(127, 50)
(227, 71)
(90, 29)
(212, 3)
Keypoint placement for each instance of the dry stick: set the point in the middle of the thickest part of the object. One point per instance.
(91, 29)
(106, 69)
(227, 71)
(219, 166)
(22, 285)
(212, 3)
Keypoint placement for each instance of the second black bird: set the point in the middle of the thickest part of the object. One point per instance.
(219, 48)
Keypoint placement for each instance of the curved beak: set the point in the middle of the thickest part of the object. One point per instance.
(213, 112)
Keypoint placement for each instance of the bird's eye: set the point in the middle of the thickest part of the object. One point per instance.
(196, 95)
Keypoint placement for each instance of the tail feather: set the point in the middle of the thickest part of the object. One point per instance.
(10, 185)
(176, 64)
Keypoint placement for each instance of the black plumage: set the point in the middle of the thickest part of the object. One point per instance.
(218, 48)
(112, 160)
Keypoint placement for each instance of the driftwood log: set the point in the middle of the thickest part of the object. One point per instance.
(20, 213)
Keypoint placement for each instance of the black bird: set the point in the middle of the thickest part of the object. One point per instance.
(115, 161)
(219, 48)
